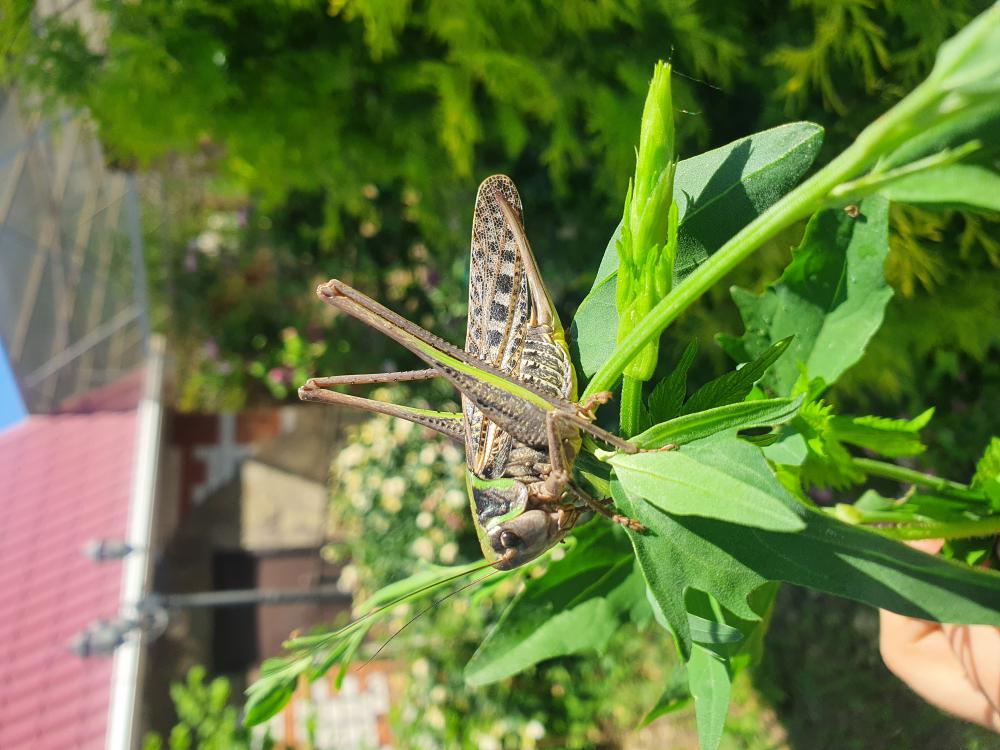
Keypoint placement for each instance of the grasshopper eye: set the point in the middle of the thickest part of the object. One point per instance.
(524, 537)
(509, 539)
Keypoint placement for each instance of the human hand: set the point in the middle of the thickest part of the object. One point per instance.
(954, 667)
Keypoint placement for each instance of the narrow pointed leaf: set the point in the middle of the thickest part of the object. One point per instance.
(577, 606)
(967, 186)
(739, 416)
(736, 385)
(668, 396)
(710, 684)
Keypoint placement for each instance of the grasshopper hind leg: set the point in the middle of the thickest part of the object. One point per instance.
(371, 379)
(447, 423)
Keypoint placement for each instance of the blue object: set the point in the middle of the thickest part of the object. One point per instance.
(12, 408)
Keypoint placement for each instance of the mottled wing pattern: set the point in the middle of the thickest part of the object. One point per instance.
(499, 312)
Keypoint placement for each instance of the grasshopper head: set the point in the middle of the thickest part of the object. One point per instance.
(524, 537)
(511, 532)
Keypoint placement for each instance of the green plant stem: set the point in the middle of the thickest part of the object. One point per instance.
(898, 473)
(984, 527)
(879, 138)
(876, 180)
(631, 405)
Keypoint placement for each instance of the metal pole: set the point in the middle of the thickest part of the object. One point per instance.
(244, 597)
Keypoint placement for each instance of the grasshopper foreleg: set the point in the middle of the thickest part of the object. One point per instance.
(560, 478)
(605, 508)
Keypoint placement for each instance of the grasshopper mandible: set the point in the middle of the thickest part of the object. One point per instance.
(520, 422)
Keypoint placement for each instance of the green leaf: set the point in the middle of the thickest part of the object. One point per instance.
(708, 678)
(721, 191)
(726, 478)
(674, 697)
(693, 427)
(848, 561)
(674, 560)
(832, 298)
(736, 385)
(988, 467)
(717, 194)
(271, 693)
(709, 631)
(888, 437)
(789, 450)
(333, 656)
(576, 606)
(668, 396)
(978, 123)
(967, 186)
(968, 63)
(827, 462)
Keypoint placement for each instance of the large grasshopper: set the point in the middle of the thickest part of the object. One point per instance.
(520, 421)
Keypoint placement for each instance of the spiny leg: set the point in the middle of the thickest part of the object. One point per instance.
(371, 379)
(447, 423)
(604, 507)
(557, 456)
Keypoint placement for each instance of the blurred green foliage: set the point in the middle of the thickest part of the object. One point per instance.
(823, 675)
(205, 718)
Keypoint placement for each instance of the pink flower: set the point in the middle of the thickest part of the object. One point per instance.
(280, 375)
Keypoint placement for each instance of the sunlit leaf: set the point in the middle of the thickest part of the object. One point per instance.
(726, 479)
(738, 416)
(736, 384)
(710, 684)
(577, 606)
(831, 298)
(968, 186)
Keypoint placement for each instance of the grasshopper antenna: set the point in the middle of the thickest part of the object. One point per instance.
(428, 608)
(670, 59)
(351, 626)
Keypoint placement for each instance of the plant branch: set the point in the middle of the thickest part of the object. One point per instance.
(631, 405)
(983, 527)
(875, 181)
(898, 473)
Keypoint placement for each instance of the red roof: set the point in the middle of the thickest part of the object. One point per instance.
(123, 394)
(64, 480)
